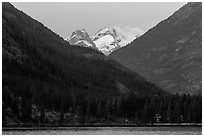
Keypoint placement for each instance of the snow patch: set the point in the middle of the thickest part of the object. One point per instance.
(105, 44)
(85, 42)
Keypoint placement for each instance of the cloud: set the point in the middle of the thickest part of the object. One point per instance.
(127, 34)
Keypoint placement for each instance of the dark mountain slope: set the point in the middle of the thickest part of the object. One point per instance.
(170, 54)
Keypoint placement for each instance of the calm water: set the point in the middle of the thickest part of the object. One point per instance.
(110, 131)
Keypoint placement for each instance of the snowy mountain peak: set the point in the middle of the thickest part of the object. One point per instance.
(107, 39)
(81, 38)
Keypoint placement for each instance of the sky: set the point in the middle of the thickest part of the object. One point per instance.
(66, 17)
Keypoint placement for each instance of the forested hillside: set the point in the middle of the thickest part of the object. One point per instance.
(169, 54)
(46, 80)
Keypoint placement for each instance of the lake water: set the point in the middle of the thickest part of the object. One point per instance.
(110, 131)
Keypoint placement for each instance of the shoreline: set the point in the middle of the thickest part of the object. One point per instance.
(64, 126)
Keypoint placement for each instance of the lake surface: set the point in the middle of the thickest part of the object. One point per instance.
(109, 131)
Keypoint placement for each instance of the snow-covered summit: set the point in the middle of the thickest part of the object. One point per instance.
(81, 38)
(107, 39)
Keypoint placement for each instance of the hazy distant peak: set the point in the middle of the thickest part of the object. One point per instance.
(127, 34)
